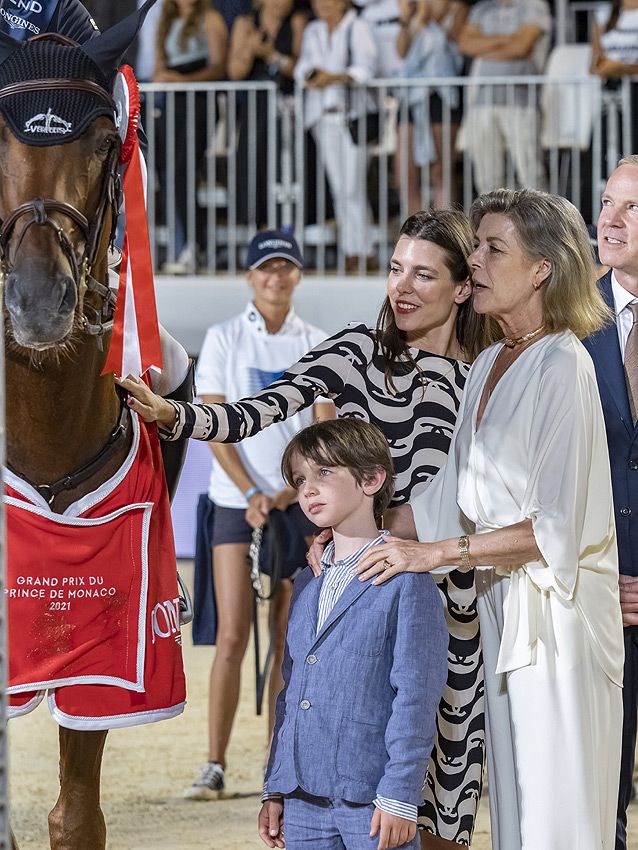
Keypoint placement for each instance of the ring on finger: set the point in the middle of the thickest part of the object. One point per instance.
(386, 564)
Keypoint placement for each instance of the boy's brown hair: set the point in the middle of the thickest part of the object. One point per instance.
(351, 443)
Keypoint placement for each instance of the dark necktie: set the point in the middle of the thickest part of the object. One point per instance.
(631, 362)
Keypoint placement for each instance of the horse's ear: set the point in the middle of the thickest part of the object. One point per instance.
(108, 48)
(8, 47)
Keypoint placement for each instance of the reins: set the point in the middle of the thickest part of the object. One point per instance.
(277, 558)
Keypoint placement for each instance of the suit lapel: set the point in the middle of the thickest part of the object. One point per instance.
(311, 595)
(353, 591)
(605, 351)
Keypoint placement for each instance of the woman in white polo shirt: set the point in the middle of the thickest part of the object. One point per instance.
(238, 358)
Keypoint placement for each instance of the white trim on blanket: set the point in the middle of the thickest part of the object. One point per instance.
(81, 505)
(25, 708)
(116, 721)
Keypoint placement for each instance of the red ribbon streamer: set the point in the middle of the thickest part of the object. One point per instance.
(136, 254)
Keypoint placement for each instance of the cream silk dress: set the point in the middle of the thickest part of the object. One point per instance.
(551, 629)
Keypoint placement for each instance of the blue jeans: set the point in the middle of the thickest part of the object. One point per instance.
(318, 823)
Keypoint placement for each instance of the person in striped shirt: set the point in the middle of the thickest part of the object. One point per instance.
(363, 672)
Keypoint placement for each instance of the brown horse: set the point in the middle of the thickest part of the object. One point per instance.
(66, 431)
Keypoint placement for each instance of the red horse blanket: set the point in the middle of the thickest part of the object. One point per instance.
(92, 598)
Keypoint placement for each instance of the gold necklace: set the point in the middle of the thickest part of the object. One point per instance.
(425, 382)
(510, 342)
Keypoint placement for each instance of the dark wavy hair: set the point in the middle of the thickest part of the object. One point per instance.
(451, 231)
(614, 14)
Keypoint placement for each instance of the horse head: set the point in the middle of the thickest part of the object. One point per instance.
(59, 196)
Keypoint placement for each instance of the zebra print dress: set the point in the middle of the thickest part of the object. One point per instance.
(418, 421)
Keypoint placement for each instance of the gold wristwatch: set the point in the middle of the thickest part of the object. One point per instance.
(464, 552)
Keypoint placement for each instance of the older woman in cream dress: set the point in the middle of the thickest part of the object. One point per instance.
(525, 500)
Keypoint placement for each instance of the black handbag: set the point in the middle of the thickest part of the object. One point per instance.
(368, 134)
(363, 129)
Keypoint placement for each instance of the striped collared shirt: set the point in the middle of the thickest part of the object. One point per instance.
(337, 576)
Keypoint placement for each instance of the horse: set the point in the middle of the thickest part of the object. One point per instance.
(67, 428)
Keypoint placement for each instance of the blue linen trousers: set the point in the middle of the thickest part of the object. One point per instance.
(319, 823)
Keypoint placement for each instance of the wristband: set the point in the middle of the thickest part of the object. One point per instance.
(252, 491)
(464, 553)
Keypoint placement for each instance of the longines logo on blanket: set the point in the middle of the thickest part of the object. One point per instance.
(165, 619)
(47, 122)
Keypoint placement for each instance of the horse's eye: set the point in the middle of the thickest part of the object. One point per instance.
(105, 145)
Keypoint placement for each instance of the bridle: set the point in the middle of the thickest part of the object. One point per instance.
(38, 212)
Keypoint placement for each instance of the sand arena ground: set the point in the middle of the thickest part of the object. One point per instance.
(145, 770)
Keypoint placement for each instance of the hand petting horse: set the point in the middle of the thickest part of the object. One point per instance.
(93, 603)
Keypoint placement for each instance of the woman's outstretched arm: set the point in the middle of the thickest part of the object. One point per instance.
(322, 373)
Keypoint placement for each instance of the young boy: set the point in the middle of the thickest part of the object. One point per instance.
(364, 667)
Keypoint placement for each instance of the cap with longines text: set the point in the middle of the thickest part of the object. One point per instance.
(270, 244)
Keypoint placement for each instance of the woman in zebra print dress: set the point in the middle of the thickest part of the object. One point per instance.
(406, 376)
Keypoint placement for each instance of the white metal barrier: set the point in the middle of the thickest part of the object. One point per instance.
(213, 170)
(228, 158)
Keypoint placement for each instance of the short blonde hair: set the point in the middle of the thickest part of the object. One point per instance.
(631, 159)
(550, 227)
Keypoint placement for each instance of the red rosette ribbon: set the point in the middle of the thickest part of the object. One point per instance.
(135, 339)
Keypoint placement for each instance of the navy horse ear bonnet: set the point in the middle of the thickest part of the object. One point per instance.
(52, 116)
(49, 115)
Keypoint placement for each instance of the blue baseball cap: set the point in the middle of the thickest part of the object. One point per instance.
(273, 243)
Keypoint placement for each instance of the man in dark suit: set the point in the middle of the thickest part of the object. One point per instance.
(614, 351)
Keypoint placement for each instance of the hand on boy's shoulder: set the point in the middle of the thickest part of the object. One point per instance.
(395, 556)
(393, 831)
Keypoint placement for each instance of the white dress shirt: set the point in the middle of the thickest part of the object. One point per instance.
(624, 316)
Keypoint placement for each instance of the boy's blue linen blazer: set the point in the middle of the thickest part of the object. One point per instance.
(356, 718)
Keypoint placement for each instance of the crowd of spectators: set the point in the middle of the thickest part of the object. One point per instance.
(330, 46)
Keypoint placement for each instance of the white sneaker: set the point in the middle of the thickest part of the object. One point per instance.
(210, 784)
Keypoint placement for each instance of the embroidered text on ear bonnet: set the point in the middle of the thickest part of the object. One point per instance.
(51, 116)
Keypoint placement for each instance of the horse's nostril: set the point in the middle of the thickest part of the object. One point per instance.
(68, 298)
(57, 297)
(13, 298)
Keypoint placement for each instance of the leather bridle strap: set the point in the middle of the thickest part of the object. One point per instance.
(88, 86)
(39, 210)
(74, 479)
(40, 207)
